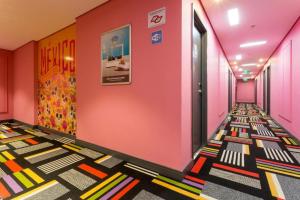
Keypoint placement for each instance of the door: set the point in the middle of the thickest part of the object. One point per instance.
(267, 76)
(268, 90)
(199, 109)
(229, 90)
(256, 91)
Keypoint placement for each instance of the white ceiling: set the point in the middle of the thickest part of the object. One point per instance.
(268, 20)
(22, 21)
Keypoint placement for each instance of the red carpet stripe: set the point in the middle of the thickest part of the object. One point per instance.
(4, 193)
(195, 179)
(240, 171)
(31, 141)
(13, 166)
(92, 171)
(233, 134)
(199, 164)
(125, 190)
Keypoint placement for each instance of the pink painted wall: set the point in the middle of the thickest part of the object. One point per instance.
(6, 94)
(24, 83)
(155, 110)
(217, 78)
(141, 119)
(285, 81)
(246, 91)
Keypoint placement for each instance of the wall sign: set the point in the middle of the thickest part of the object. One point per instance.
(116, 56)
(157, 37)
(157, 17)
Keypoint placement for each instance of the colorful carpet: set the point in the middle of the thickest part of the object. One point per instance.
(250, 157)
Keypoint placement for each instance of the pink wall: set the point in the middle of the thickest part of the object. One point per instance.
(6, 86)
(285, 81)
(246, 91)
(141, 119)
(155, 110)
(24, 83)
(217, 78)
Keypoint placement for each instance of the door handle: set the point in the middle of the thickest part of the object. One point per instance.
(200, 91)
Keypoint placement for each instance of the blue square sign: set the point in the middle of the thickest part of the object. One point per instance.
(157, 37)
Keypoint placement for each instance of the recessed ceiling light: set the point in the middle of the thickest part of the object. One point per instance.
(234, 62)
(248, 64)
(238, 57)
(258, 65)
(261, 60)
(233, 16)
(240, 69)
(241, 75)
(251, 44)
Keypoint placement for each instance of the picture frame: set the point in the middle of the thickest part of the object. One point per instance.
(116, 56)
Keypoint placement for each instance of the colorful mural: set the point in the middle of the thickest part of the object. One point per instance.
(57, 81)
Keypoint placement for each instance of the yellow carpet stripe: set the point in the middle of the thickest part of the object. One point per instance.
(42, 153)
(286, 140)
(178, 190)
(101, 185)
(2, 136)
(69, 147)
(33, 175)
(8, 155)
(102, 159)
(271, 185)
(259, 143)
(74, 145)
(36, 190)
(278, 171)
(246, 149)
(210, 149)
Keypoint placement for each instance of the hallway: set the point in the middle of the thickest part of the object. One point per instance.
(250, 157)
(150, 99)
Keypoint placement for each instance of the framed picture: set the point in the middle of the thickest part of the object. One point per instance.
(116, 56)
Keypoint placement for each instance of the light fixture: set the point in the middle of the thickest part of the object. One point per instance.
(251, 44)
(236, 67)
(261, 60)
(240, 69)
(241, 75)
(258, 65)
(234, 63)
(238, 57)
(233, 16)
(248, 64)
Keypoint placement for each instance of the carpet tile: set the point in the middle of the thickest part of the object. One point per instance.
(249, 157)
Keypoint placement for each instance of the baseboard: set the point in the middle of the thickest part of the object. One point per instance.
(172, 173)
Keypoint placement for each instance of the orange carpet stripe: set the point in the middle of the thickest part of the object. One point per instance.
(93, 171)
(195, 179)
(125, 190)
(31, 141)
(4, 193)
(13, 166)
(240, 171)
(199, 164)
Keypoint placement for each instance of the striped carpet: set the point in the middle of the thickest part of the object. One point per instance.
(249, 157)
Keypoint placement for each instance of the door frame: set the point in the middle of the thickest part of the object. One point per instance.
(267, 90)
(255, 82)
(197, 22)
(229, 90)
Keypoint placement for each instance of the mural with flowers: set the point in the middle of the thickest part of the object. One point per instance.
(57, 81)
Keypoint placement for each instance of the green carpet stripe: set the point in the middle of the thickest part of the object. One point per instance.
(2, 159)
(182, 185)
(108, 187)
(25, 181)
